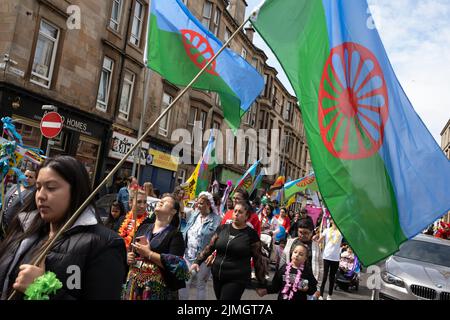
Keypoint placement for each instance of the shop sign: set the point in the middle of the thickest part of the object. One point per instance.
(121, 144)
(162, 160)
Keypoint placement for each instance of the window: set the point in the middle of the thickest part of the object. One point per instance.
(216, 22)
(136, 28)
(216, 125)
(182, 176)
(127, 93)
(164, 123)
(203, 116)
(44, 54)
(116, 12)
(244, 53)
(207, 10)
(266, 82)
(227, 36)
(192, 116)
(105, 84)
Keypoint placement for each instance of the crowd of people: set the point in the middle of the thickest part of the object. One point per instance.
(158, 251)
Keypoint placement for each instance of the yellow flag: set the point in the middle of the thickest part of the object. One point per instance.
(190, 185)
(290, 202)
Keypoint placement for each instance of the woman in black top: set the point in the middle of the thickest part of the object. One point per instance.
(116, 216)
(235, 243)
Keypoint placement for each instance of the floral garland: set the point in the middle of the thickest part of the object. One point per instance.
(42, 286)
(289, 289)
(127, 229)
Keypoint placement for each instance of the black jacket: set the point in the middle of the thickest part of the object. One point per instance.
(279, 281)
(89, 260)
(172, 243)
(234, 248)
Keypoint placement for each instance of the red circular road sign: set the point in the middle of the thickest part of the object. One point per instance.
(51, 125)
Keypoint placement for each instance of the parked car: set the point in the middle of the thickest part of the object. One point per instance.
(420, 270)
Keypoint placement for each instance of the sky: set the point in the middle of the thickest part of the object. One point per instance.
(416, 36)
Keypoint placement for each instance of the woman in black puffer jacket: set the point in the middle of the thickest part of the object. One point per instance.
(88, 259)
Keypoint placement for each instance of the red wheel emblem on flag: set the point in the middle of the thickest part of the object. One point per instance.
(353, 102)
(198, 50)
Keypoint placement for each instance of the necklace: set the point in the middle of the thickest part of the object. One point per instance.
(127, 229)
(289, 289)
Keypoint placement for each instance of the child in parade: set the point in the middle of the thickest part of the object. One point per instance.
(294, 280)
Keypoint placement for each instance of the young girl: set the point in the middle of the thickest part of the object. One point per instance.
(295, 280)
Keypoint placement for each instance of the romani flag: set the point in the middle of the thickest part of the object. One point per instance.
(291, 188)
(198, 181)
(379, 170)
(179, 46)
(246, 181)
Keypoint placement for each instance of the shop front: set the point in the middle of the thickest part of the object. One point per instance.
(162, 170)
(83, 135)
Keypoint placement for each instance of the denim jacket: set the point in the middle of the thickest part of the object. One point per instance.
(122, 197)
(208, 228)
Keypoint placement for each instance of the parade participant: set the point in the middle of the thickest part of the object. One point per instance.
(293, 227)
(239, 196)
(157, 268)
(179, 194)
(331, 256)
(115, 217)
(294, 280)
(135, 217)
(305, 232)
(265, 216)
(13, 200)
(197, 235)
(282, 219)
(98, 253)
(123, 195)
(148, 188)
(235, 243)
(444, 231)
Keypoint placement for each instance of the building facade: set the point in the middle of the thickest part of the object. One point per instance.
(86, 59)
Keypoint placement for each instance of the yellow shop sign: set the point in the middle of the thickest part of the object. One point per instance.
(162, 160)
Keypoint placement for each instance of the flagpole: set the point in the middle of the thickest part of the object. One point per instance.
(77, 213)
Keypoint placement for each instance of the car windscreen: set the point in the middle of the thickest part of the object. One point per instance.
(425, 251)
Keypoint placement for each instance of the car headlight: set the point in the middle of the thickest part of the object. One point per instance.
(391, 279)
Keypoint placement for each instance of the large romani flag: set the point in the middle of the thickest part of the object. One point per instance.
(379, 170)
(179, 46)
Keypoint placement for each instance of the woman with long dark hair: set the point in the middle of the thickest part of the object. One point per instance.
(157, 268)
(88, 261)
(116, 216)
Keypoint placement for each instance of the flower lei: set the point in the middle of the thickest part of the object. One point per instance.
(42, 286)
(289, 289)
(126, 230)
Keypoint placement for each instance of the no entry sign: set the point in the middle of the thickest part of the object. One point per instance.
(51, 125)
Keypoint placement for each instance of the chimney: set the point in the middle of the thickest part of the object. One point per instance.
(249, 31)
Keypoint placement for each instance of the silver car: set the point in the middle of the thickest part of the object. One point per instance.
(420, 270)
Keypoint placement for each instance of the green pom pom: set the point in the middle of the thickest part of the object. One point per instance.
(46, 284)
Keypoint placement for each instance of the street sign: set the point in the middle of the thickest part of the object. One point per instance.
(51, 125)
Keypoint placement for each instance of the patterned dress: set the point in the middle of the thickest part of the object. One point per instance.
(146, 280)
